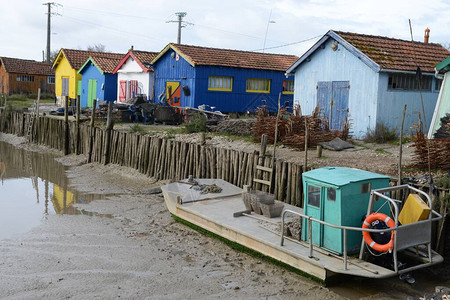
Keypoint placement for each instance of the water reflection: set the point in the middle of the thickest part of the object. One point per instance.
(33, 185)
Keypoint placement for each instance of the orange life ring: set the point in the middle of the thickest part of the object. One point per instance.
(368, 239)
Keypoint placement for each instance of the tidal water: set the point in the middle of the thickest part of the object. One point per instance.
(33, 186)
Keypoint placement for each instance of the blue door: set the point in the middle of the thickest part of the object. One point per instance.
(332, 97)
(324, 98)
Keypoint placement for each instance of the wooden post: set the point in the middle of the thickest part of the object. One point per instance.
(66, 125)
(91, 134)
(37, 115)
(400, 149)
(319, 151)
(77, 134)
(109, 127)
(306, 145)
(202, 138)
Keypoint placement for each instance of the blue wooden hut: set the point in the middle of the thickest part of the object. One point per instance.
(339, 196)
(229, 80)
(98, 80)
(368, 79)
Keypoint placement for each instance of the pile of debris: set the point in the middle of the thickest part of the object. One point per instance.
(242, 127)
(291, 128)
(444, 130)
(432, 153)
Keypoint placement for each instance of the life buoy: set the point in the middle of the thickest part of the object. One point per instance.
(368, 239)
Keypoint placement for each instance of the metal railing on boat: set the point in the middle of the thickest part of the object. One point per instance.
(378, 193)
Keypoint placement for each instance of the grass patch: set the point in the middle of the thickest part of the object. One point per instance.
(245, 138)
(138, 129)
(195, 125)
(381, 134)
(396, 142)
(357, 144)
(382, 151)
(244, 249)
(22, 100)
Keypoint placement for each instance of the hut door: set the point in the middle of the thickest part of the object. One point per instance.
(173, 93)
(313, 207)
(331, 237)
(332, 98)
(339, 104)
(65, 86)
(92, 91)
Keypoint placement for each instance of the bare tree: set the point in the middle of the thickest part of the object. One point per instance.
(97, 48)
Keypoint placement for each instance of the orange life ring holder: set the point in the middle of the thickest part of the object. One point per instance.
(368, 239)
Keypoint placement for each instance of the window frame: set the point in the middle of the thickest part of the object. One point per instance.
(408, 82)
(261, 80)
(24, 78)
(220, 89)
(49, 81)
(285, 83)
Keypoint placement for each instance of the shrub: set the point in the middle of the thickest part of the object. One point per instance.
(197, 124)
(381, 134)
(136, 128)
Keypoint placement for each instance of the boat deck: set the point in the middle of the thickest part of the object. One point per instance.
(214, 212)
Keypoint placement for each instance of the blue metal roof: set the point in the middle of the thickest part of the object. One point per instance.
(341, 176)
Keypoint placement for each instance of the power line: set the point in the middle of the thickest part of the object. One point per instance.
(289, 44)
(181, 24)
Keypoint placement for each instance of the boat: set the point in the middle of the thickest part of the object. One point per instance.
(218, 207)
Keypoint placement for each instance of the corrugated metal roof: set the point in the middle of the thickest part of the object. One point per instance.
(396, 54)
(197, 55)
(24, 66)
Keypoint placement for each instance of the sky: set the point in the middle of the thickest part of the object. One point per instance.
(277, 26)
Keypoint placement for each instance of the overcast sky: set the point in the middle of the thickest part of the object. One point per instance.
(231, 24)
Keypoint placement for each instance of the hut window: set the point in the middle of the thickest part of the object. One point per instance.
(51, 79)
(220, 83)
(288, 86)
(398, 81)
(25, 78)
(313, 196)
(258, 85)
(365, 188)
(331, 194)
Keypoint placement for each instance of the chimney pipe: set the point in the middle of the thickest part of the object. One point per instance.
(427, 36)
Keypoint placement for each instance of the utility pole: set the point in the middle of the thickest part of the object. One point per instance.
(181, 24)
(49, 15)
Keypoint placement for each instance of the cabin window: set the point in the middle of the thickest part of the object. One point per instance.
(408, 82)
(438, 84)
(258, 85)
(313, 196)
(25, 78)
(51, 79)
(220, 83)
(331, 194)
(365, 188)
(288, 87)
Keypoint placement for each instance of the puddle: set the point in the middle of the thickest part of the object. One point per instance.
(32, 186)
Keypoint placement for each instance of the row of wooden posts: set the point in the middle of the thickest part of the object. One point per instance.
(159, 158)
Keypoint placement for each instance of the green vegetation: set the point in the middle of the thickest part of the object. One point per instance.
(244, 249)
(245, 138)
(382, 151)
(197, 124)
(381, 134)
(23, 100)
(138, 129)
(396, 142)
